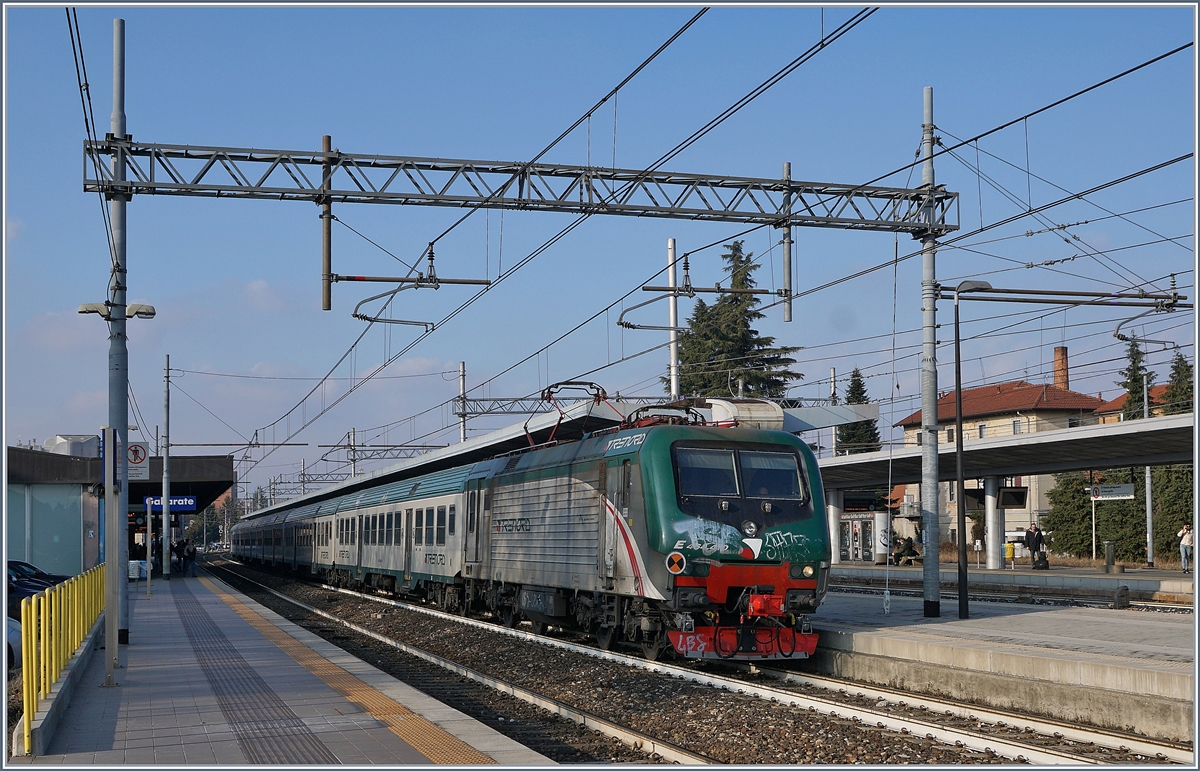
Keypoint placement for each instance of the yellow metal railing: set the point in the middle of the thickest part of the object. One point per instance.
(53, 625)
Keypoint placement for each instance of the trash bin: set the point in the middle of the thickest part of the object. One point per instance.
(1009, 552)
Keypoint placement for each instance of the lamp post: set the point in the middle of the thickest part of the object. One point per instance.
(963, 610)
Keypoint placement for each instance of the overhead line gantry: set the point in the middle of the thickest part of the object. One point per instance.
(331, 176)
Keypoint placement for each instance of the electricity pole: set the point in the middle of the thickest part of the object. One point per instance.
(929, 418)
(118, 353)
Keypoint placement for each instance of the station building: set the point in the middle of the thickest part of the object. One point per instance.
(53, 500)
(1003, 409)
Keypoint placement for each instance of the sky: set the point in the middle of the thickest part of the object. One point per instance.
(236, 283)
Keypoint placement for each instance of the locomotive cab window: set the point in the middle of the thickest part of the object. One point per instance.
(763, 484)
(771, 475)
(705, 472)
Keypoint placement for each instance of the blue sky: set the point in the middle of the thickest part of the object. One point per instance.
(236, 283)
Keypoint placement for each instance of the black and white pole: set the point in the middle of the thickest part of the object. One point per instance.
(1149, 510)
(166, 477)
(118, 352)
(930, 512)
(673, 320)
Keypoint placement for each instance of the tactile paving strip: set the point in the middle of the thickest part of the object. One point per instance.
(425, 737)
(267, 730)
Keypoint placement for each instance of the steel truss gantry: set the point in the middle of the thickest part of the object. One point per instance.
(525, 405)
(337, 177)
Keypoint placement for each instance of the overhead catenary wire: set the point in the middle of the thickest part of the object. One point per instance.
(89, 121)
(1088, 251)
(991, 226)
(982, 135)
(500, 273)
(1111, 214)
(177, 387)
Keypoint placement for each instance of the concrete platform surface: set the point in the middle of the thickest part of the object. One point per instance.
(1143, 583)
(1078, 662)
(211, 677)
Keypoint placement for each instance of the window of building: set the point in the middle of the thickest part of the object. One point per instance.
(1074, 421)
(949, 435)
(983, 430)
(953, 491)
(1016, 426)
(920, 437)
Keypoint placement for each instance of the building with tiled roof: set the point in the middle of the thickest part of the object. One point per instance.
(1008, 399)
(1003, 409)
(1110, 411)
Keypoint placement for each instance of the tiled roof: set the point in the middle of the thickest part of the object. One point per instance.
(1008, 398)
(1157, 396)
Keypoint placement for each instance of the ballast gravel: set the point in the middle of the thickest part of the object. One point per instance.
(724, 726)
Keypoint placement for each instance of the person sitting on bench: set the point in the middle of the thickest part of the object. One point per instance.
(906, 553)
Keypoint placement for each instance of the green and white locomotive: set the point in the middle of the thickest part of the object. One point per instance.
(669, 533)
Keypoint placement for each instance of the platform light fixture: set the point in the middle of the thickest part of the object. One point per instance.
(133, 310)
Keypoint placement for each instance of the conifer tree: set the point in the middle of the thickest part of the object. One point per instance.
(1132, 381)
(862, 436)
(1069, 523)
(1177, 399)
(723, 346)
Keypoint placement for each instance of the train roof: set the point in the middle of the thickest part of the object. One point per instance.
(572, 423)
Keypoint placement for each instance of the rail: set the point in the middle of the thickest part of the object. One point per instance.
(54, 624)
(1064, 743)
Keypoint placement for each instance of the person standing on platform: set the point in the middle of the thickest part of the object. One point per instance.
(1186, 539)
(189, 558)
(1034, 541)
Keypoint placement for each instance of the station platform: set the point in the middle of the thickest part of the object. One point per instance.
(212, 678)
(1149, 584)
(1125, 669)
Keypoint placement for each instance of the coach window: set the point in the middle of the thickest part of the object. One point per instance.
(429, 527)
(353, 530)
(441, 525)
(419, 528)
(389, 529)
(375, 539)
(452, 507)
(341, 531)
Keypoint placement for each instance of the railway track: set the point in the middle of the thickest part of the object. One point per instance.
(981, 734)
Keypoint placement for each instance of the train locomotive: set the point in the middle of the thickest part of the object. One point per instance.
(666, 532)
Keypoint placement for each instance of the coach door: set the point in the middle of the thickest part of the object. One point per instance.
(408, 544)
(474, 509)
(361, 537)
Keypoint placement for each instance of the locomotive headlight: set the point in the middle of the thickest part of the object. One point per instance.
(749, 528)
(808, 571)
